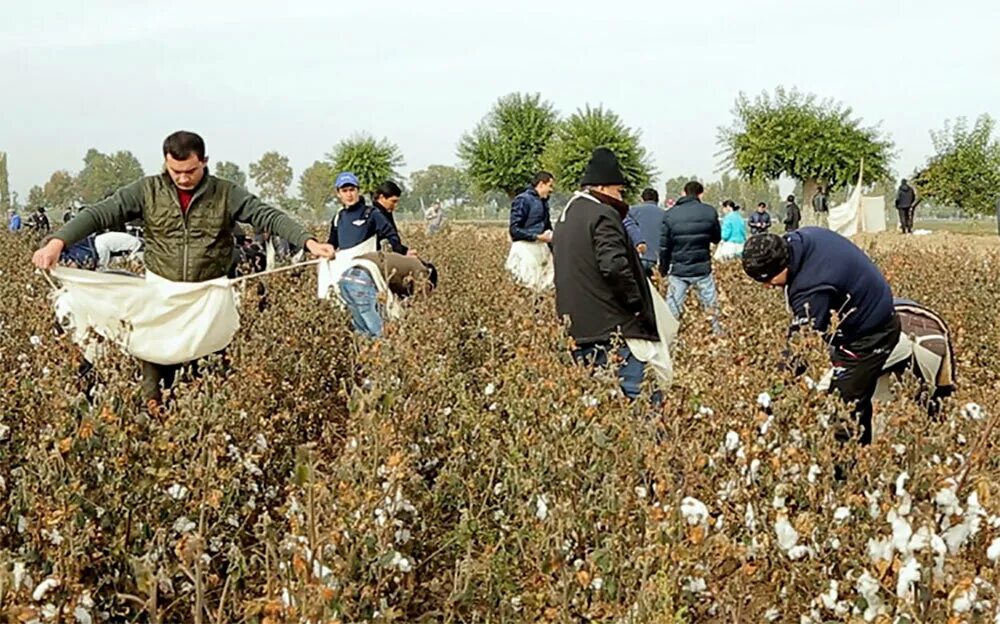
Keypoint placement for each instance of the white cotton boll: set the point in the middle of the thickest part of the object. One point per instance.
(766, 425)
(732, 440)
(749, 519)
(965, 601)
(829, 597)
(695, 585)
(899, 449)
(764, 400)
(772, 614)
(955, 537)
(597, 584)
(694, 511)
(542, 507)
(184, 525)
(19, 574)
(901, 532)
(754, 469)
(993, 552)
(798, 552)
(947, 501)
(901, 483)
(177, 491)
(706, 411)
(82, 616)
(833, 544)
(880, 549)
(43, 588)
(788, 537)
(640, 491)
(908, 575)
(778, 502)
(868, 587)
(873, 508)
(490, 389)
(35, 341)
(4, 432)
(840, 514)
(814, 472)
(810, 383)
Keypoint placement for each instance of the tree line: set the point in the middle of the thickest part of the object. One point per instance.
(786, 133)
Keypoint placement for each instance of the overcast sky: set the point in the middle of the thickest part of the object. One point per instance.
(298, 75)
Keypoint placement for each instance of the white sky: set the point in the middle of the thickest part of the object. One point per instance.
(298, 75)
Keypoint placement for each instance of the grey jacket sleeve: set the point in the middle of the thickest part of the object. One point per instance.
(248, 208)
(114, 212)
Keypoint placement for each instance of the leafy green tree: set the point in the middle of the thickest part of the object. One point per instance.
(816, 142)
(965, 170)
(59, 192)
(273, 175)
(674, 187)
(103, 174)
(5, 202)
(746, 193)
(441, 182)
(36, 198)
(230, 171)
(504, 150)
(316, 188)
(567, 155)
(373, 160)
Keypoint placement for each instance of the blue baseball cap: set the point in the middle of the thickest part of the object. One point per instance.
(347, 179)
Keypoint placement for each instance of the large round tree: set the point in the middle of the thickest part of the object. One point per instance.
(504, 151)
(965, 170)
(373, 160)
(584, 131)
(796, 135)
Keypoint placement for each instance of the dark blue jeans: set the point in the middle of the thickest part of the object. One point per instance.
(358, 290)
(629, 371)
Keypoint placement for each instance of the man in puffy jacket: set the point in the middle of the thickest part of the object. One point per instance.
(385, 199)
(760, 220)
(690, 229)
(793, 215)
(822, 272)
(529, 213)
(906, 201)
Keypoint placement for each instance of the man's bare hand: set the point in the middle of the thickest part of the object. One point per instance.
(546, 236)
(411, 253)
(320, 250)
(48, 256)
(641, 248)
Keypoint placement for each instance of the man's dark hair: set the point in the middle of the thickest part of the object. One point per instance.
(650, 195)
(540, 177)
(728, 203)
(903, 181)
(388, 189)
(765, 256)
(764, 204)
(693, 188)
(182, 144)
(791, 198)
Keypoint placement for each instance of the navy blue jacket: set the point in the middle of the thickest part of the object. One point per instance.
(649, 217)
(399, 248)
(355, 224)
(529, 216)
(690, 229)
(827, 272)
(760, 222)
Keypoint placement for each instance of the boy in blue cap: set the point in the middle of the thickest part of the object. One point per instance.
(356, 222)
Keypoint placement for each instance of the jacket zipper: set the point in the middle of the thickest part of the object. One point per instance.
(184, 219)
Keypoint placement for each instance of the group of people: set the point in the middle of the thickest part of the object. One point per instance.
(601, 262)
(37, 221)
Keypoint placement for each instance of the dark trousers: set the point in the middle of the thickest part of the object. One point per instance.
(856, 369)
(906, 220)
(159, 377)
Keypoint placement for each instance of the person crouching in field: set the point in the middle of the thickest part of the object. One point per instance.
(530, 259)
(600, 281)
(822, 272)
(188, 215)
(361, 287)
(734, 233)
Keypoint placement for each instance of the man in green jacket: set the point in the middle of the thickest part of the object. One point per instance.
(188, 216)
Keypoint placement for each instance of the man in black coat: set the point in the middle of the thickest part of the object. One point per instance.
(599, 279)
(690, 229)
(793, 215)
(906, 202)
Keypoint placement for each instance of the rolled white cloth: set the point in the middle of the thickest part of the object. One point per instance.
(329, 273)
(151, 318)
(657, 353)
(530, 262)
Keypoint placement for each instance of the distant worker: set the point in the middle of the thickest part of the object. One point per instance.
(40, 221)
(734, 233)
(648, 216)
(690, 229)
(906, 202)
(530, 258)
(13, 221)
(360, 290)
(356, 221)
(793, 215)
(760, 220)
(385, 199)
(822, 272)
(434, 216)
(821, 207)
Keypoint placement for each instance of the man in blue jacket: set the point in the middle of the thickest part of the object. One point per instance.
(529, 213)
(822, 272)
(648, 216)
(13, 221)
(690, 229)
(356, 222)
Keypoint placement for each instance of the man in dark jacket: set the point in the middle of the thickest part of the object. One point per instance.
(760, 220)
(188, 216)
(822, 272)
(529, 212)
(599, 280)
(356, 222)
(648, 216)
(906, 201)
(793, 215)
(690, 229)
(386, 199)
(821, 207)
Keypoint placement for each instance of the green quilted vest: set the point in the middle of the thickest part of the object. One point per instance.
(194, 247)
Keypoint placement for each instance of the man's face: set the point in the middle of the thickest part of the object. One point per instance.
(545, 188)
(389, 203)
(761, 208)
(348, 195)
(186, 173)
(779, 280)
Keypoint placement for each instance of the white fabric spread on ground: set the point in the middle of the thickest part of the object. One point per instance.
(530, 262)
(329, 273)
(152, 318)
(657, 354)
(858, 214)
